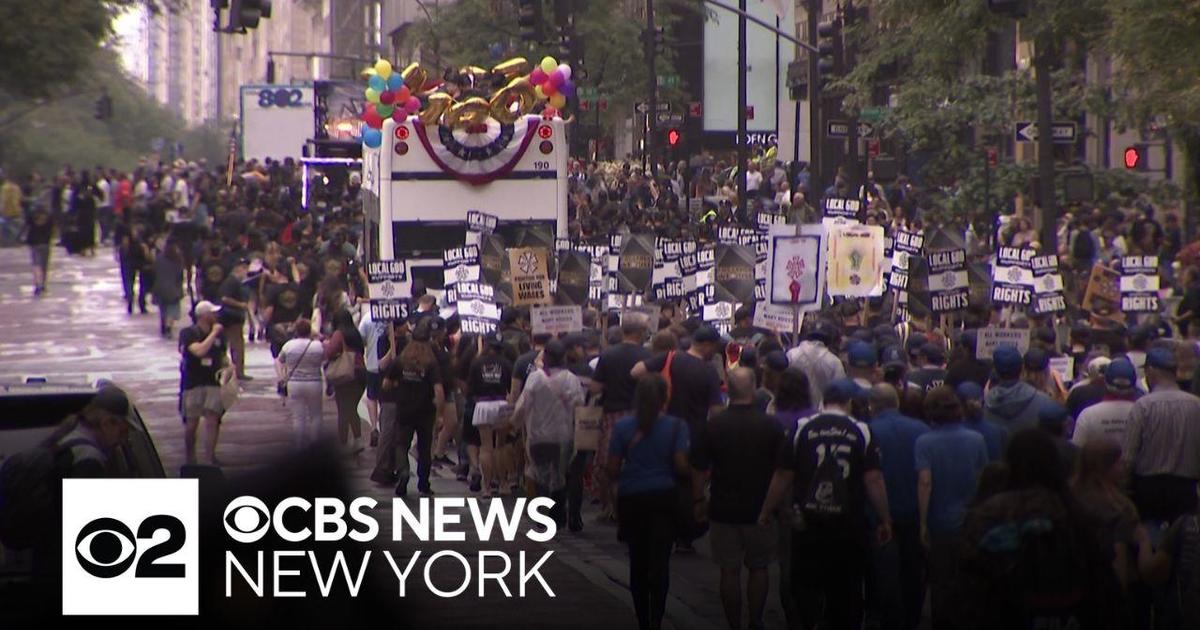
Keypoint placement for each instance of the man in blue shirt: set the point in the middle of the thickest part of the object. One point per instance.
(900, 566)
(994, 435)
(948, 462)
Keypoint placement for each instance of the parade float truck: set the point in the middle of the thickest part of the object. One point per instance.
(438, 160)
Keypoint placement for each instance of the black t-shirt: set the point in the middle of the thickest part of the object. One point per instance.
(1085, 396)
(210, 282)
(285, 303)
(612, 371)
(39, 228)
(200, 371)
(233, 289)
(524, 366)
(733, 445)
(412, 391)
(927, 378)
(491, 376)
(850, 442)
(968, 370)
(695, 386)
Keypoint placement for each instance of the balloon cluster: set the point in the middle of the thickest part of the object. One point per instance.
(388, 95)
(518, 92)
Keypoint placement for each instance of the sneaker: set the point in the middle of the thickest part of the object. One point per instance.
(425, 492)
(383, 480)
(462, 476)
(476, 484)
(442, 460)
(374, 437)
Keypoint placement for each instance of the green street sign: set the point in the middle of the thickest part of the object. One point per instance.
(668, 80)
(872, 114)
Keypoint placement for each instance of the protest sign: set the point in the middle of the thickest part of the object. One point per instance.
(635, 264)
(387, 282)
(776, 318)
(1139, 284)
(733, 273)
(846, 208)
(1047, 285)
(530, 278)
(1103, 292)
(855, 267)
(574, 278)
(949, 282)
(555, 320)
(1012, 276)
(798, 268)
(988, 339)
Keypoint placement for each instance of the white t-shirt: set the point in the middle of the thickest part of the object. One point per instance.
(303, 365)
(181, 193)
(104, 199)
(754, 180)
(1105, 419)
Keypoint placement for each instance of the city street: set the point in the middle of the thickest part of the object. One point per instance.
(80, 332)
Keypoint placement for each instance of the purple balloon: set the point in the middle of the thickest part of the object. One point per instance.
(538, 76)
(567, 89)
(557, 78)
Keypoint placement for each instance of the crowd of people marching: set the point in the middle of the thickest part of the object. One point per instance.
(878, 464)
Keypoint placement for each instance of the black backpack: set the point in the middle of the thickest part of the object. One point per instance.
(30, 492)
(1084, 247)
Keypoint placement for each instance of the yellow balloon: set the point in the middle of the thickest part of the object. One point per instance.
(414, 77)
(383, 68)
(558, 101)
(548, 64)
(372, 95)
(469, 112)
(518, 90)
(437, 105)
(537, 91)
(512, 68)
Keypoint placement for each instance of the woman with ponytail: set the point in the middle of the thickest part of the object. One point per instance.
(647, 453)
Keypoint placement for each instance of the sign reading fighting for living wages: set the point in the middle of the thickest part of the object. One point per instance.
(855, 261)
(530, 278)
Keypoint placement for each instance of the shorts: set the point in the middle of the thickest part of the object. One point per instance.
(170, 311)
(40, 255)
(733, 546)
(200, 400)
(374, 383)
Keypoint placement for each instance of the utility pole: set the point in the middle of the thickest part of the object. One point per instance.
(816, 132)
(1043, 61)
(652, 83)
(742, 153)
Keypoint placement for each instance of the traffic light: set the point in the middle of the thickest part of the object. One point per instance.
(529, 19)
(245, 14)
(829, 50)
(1135, 157)
(674, 138)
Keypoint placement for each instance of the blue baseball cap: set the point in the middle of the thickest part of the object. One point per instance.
(777, 360)
(1008, 362)
(969, 390)
(1161, 359)
(1120, 374)
(862, 355)
(1052, 415)
(843, 390)
(893, 356)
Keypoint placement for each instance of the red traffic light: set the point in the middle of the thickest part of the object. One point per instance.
(1133, 157)
(673, 137)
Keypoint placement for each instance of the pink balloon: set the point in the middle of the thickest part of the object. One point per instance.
(556, 79)
(387, 97)
(549, 89)
(413, 104)
(399, 114)
(538, 76)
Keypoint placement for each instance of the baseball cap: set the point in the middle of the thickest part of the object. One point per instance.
(842, 390)
(1097, 366)
(968, 339)
(862, 355)
(1052, 415)
(933, 352)
(777, 360)
(914, 344)
(1120, 374)
(495, 340)
(1007, 360)
(204, 307)
(1161, 359)
(893, 356)
(969, 390)
(706, 334)
(1036, 360)
(112, 400)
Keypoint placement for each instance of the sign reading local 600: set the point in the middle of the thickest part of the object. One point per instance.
(387, 278)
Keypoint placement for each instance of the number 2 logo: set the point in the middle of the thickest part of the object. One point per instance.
(106, 547)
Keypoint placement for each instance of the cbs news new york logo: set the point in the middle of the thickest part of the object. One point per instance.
(131, 547)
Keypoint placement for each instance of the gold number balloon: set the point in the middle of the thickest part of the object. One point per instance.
(473, 111)
(518, 89)
(414, 77)
(512, 68)
(437, 105)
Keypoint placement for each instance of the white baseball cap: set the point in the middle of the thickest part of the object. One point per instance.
(204, 307)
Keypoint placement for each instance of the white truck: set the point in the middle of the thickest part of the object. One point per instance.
(419, 184)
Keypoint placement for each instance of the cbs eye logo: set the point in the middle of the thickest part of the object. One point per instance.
(247, 519)
(107, 548)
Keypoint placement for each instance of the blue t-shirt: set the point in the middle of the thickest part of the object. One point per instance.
(649, 465)
(954, 456)
(896, 434)
(994, 436)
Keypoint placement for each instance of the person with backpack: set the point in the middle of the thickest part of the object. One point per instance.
(31, 485)
(832, 466)
(647, 456)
